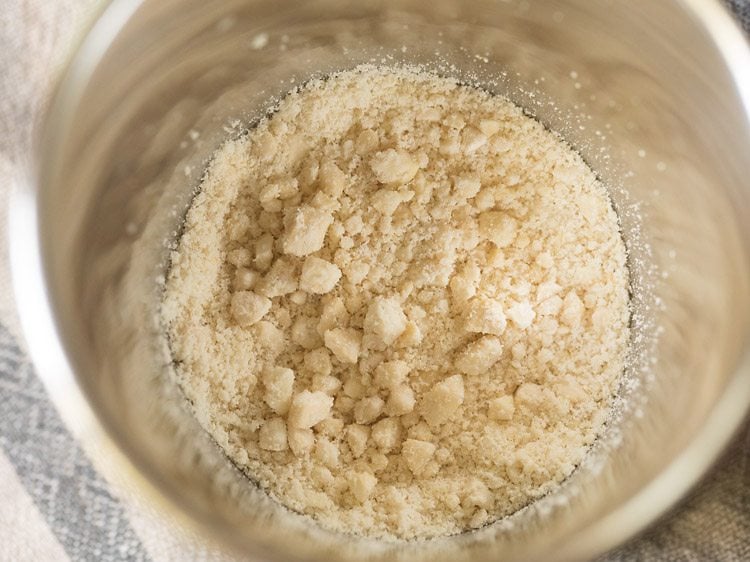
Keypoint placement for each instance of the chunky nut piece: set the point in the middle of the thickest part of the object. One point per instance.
(429, 114)
(401, 401)
(332, 427)
(354, 224)
(412, 336)
(571, 390)
(356, 438)
(324, 202)
(451, 145)
(334, 315)
(547, 290)
(356, 271)
(498, 227)
(326, 383)
(361, 485)
(390, 374)
(279, 383)
(463, 285)
(353, 388)
(545, 260)
(318, 276)
(269, 336)
(318, 361)
(367, 141)
(263, 252)
(572, 309)
(344, 343)
(368, 409)
(294, 148)
(322, 476)
(489, 126)
(550, 306)
(280, 280)
(379, 462)
(422, 431)
(485, 316)
(600, 318)
(272, 435)
(248, 307)
(309, 173)
(386, 434)
(245, 279)
(455, 121)
(501, 408)
(304, 333)
(529, 394)
(298, 297)
(417, 453)
(270, 195)
(301, 441)
(332, 179)
(306, 230)
(385, 319)
(386, 201)
(473, 140)
(478, 356)
(518, 351)
(477, 495)
(326, 452)
(394, 166)
(309, 408)
(411, 419)
(467, 186)
(522, 314)
(239, 257)
(267, 146)
(238, 226)
(442, 400)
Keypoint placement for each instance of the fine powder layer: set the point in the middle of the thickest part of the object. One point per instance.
(399, 304)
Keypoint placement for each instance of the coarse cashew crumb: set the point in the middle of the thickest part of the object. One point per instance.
(400, 304)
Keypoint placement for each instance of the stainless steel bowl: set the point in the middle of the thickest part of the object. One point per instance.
(655, 95)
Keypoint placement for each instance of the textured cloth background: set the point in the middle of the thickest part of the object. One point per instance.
(61, 502)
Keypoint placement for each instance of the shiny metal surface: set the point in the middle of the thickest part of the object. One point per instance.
(656, 97)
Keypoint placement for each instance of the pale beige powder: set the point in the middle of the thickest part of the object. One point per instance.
(400, 305)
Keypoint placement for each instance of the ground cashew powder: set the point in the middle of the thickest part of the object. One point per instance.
(399, 304)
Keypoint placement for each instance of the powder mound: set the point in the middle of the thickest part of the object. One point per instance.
(382, 306)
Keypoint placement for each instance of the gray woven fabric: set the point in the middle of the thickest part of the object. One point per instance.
(75, 501)
(57, 500)
(741, 9)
